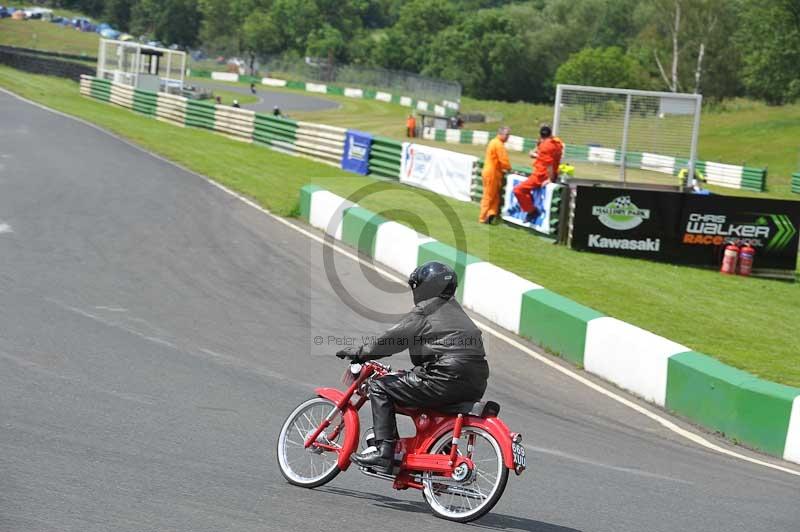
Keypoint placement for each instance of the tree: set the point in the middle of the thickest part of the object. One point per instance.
(259, 37)
(601, 67)
(179, 22)
(295, 19)
(769, 36)
(222, 22)
(406, 43)
(169, 21)
(687, 44)
(479, 54)
(326, 42)
(118, 13)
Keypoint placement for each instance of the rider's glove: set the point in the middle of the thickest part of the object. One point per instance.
(353, 353)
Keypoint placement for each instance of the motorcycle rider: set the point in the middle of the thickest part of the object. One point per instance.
(447, 351)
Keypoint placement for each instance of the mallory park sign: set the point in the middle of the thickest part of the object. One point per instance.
(685, 228)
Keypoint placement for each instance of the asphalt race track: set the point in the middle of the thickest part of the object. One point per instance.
(155, 331)
(268, 99)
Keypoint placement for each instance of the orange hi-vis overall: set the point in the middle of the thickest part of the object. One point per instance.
(549, 152)
(495, 165)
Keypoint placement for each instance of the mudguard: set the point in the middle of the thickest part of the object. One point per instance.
(493, 425)
(351, 423)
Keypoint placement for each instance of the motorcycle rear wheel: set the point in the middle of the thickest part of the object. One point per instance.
(309, 467)
(485, 485)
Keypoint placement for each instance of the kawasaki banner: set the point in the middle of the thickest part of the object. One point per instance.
(685, 228)
(357, 146)
(546, 200)
(442, 171)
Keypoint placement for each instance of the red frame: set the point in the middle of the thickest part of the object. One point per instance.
(430, 427)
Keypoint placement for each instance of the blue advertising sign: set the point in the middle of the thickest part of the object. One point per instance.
(355, 158)
(545, 199)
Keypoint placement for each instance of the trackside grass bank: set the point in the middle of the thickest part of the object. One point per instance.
(748, 323)
(43, 35)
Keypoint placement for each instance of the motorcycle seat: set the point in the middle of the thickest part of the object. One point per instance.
(471, 408)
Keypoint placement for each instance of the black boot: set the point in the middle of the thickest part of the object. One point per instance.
(381, 459)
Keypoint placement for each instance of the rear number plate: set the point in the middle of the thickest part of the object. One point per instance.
(519, 454)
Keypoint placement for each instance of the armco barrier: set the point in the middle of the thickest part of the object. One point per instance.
(385, 157)
(38, 62)
(724, 175)
(320, 142)
(316, 141)
(447, 108)
(760, 414)
(796, 183)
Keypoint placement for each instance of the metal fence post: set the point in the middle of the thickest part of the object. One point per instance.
(557, 111)
(695, 133)
(625, 127)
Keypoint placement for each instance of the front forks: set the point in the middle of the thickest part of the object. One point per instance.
(456, 436)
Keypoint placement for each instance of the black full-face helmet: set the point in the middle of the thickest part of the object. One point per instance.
(433, 279)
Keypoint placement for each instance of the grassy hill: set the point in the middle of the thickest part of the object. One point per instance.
(42, 35)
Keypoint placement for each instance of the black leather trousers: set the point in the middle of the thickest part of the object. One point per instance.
(410, 390)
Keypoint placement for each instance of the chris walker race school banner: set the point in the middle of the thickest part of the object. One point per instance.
(685, 228)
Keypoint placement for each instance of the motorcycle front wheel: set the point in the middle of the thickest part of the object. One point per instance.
(473, 497)
(313, 466)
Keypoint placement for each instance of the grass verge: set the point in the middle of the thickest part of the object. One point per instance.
(43, 35)
(748, 323)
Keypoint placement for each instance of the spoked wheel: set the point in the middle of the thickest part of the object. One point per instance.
(313, 466)
(480, 489)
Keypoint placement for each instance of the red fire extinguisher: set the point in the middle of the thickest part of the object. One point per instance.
(729, 259)
(746, 255)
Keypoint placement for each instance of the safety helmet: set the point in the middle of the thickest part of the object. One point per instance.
(433, 279)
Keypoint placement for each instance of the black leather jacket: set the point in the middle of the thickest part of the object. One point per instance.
(444, 343)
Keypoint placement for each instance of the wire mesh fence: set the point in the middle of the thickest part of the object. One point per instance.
(320, 70)
(626, 129)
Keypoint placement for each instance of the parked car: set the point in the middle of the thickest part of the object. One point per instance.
(109, 33)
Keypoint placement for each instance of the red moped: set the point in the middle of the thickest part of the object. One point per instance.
(460, 456)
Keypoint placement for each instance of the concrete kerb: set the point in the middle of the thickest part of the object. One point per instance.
(760, 414)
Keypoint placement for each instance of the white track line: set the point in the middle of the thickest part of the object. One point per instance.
(691, 436)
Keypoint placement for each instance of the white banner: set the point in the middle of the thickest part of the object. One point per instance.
(442, 171)
(273, 82)
(225, 76)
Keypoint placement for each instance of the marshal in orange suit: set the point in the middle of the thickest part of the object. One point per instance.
(495, 165)
(546, 159)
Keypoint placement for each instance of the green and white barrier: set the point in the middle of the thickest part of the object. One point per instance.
(315, 141)
(720, 174)
(759, 413)
(446, 108)
(236, 123)
(321, 142)
(796, 183)
(171, 108)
